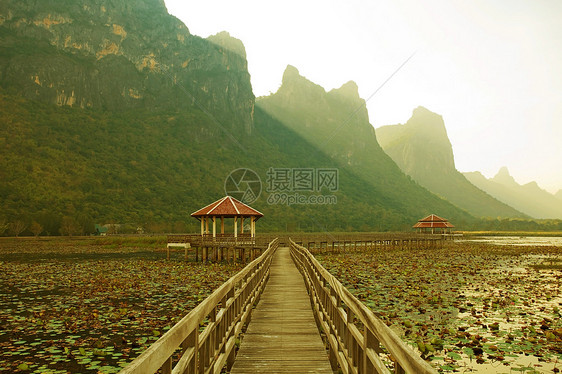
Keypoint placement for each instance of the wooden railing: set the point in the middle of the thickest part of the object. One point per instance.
(218, 240)
(359, 241)
(186, 349)
(355, 335)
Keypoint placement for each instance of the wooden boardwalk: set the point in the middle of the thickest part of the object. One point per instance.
(282, 336)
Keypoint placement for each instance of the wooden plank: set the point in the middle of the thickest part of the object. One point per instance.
(283, 336)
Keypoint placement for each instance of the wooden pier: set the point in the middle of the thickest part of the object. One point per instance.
(244, 248)
(282, 336)
(363, 241)
(221, 247)
(291, 315)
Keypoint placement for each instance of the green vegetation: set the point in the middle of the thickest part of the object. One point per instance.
(466, 307)
(68, 168)
(64, 169)
(518, 225)
(92, 305)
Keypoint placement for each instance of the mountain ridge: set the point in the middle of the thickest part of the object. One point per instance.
(308, 109)
(118, 56)
(528, 198)
(422, 149)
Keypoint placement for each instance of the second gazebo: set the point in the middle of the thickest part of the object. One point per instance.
(227, 207)
(433, 224)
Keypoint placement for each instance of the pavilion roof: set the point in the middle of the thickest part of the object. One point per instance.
(433, 225)
(227, 207)
(433, 221)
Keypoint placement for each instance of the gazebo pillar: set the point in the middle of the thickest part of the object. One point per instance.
(214, 227)
(235, 226)
(202, 225)
(252, 227)
(222, 224)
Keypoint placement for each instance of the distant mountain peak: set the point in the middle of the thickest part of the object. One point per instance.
(299, 90)
(428, 120)
(504, 171)
(420, 111)
(292, 76)
(503, 177)
(349, 90)
(530, 198)
(291, 73)
(225, 40)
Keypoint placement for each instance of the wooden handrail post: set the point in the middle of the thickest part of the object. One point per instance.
(166, 368)
(226, 310)
(353, 350)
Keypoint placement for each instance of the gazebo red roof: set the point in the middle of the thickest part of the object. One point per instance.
(433, 221)
(227, 207)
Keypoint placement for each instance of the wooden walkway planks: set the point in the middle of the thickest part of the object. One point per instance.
(282, 336)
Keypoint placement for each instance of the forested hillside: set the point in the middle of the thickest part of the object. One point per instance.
(145, 168)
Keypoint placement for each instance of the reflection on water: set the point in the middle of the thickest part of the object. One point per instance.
(516, 240)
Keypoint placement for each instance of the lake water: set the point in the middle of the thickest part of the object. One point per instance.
(517, 240)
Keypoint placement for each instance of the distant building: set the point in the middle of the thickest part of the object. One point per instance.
(101, 230)
(433, 224)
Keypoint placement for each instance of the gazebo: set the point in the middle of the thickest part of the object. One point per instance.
(433, 224)
(227, 207)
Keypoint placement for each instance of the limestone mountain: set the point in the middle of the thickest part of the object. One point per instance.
(120, 55)
(558, 194)
(336, 123)
(422, 149)
(529, 198)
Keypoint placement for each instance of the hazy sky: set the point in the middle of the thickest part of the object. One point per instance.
(492, 69)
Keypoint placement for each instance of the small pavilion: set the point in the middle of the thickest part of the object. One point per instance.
(433, 224)
(227, 207)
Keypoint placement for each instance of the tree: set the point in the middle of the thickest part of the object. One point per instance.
(69, 226)
(36, 228)
(17, 227)
(86, 223)
(3, 226)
